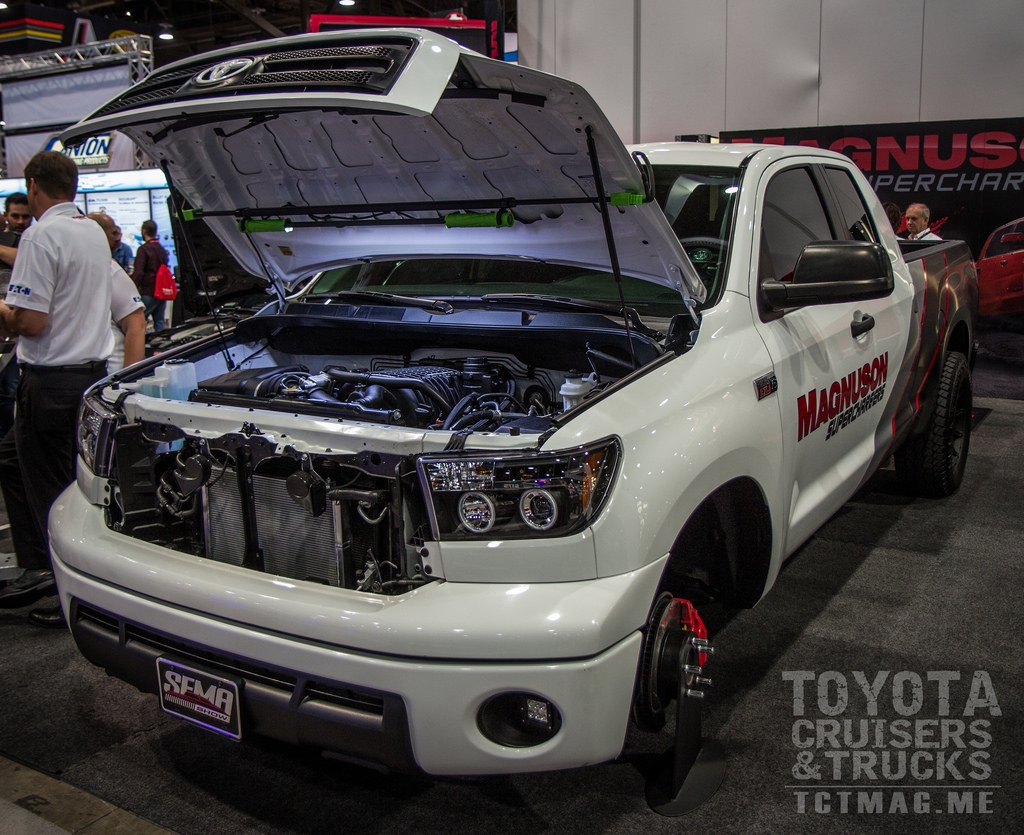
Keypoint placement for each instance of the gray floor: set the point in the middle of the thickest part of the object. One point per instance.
(891, 590)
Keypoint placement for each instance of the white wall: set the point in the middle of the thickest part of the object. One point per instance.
(665, 67)
(585, 40)
(682, 39)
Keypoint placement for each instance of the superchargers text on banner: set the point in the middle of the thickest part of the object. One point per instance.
(969, 173)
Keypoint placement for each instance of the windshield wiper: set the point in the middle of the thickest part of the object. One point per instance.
(553, 301)
(565, 302)
(435, 305)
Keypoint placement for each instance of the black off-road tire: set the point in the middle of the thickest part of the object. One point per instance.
(932, 463)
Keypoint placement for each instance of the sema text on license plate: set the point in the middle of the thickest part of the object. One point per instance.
(200, 697)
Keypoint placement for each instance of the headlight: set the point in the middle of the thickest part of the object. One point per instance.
(96, 425)
(517, 496)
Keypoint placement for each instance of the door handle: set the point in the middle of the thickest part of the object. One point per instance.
(858, 327)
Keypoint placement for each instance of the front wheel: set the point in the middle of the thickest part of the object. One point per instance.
(932, 463)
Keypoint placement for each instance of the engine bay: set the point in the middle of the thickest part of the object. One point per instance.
(471, 370)
(259, 494)
(472, 394)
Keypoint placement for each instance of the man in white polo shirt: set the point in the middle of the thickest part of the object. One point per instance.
(918, 216)
(58, 305)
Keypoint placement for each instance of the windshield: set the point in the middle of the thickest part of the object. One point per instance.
(454, 279)
(699, 202)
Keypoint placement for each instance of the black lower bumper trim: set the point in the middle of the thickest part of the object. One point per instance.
(360, 725)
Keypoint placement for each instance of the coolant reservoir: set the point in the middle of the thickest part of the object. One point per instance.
(574, 389)
(181, 378)
(154, 385)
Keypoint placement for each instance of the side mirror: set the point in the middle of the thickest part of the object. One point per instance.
(1012, 238)
(829, 272)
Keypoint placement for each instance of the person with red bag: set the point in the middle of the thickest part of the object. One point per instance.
(147, 261)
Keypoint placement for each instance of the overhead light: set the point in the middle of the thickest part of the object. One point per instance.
(164, 32)
(346, 2)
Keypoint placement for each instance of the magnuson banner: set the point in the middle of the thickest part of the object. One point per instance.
(970, 173)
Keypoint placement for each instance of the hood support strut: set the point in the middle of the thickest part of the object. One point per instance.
(331, 214)
(177, 211)
(613, 256)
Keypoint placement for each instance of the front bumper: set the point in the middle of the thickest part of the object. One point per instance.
(402, 682)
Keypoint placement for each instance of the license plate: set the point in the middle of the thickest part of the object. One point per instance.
(201, 697)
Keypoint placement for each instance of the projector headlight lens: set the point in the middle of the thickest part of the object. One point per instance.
(518, 496)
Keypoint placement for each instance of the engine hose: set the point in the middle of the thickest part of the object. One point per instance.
(391, 382)
(484, 415)
(460, 407)
(171, 500)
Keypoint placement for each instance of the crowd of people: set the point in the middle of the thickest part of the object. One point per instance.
(74, 308)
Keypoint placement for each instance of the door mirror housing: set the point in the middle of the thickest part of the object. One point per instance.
(830, 272)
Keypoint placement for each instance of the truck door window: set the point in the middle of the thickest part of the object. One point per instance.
(856, 217)
(793, 217)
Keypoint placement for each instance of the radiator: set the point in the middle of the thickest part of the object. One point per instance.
(295, 544)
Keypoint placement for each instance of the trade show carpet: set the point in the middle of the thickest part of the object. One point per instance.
(876, 688)
(999, 369)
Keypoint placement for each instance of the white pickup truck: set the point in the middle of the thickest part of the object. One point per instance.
(438, 510)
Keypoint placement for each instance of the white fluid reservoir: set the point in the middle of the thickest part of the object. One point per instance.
(574, 389)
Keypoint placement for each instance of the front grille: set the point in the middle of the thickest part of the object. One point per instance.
(335, 78)
(367, 51)
(364, 68)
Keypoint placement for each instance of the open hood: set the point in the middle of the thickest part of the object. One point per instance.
(302, 153)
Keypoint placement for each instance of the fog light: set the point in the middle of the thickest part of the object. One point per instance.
(519, 720)
(538, 713)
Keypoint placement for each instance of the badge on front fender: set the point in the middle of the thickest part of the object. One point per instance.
(766, 386)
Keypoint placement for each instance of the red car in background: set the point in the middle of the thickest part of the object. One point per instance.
(1001, 270)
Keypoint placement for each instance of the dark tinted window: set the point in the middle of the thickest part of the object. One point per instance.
(857, 220)
(793, 217)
